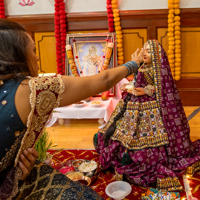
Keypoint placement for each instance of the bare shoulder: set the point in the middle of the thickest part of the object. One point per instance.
(22, 102)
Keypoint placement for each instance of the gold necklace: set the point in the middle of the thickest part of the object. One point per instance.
(146, 69)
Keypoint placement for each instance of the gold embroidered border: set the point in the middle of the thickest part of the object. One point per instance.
(9, 157)
(156, 62)
(149, 105)
(130, 106)
(169, 184)
(149, 78)
(33, 86)
(142, 142)
(24, 144)
(138, 106)
(193, 168)
(126, 139)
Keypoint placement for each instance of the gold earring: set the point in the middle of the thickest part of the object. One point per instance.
(1, 82)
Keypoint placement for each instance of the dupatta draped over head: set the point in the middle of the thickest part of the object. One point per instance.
(151, 141)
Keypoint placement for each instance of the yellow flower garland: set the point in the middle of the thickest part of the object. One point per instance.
(174, 39)
(118, 28)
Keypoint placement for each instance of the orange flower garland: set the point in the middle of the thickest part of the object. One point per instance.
(2, 9)
(174, 38)
(109, 50)
(118, 30)
(71, 60)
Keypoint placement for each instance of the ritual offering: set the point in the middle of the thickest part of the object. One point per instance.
(96, 103)
(130, 87)
(74, 175)
(70, 57)
(87, 166)
(105, 95)
(84, 180)
(77, 163)
(79, 104)
(81, 170)
(109, 50)
(66, 169)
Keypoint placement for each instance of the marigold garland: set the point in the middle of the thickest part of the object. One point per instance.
(115, 25)
(2, 9)
(118, 30)
(71, 61)
(174, 38)
(107, 56)
(60, 35)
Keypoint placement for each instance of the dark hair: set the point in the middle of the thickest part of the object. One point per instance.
(13, 50)
(111, 129)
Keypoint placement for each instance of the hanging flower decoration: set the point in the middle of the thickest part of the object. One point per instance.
(110, 16)
(2, 9)
(118, 30)
(71, 61)
(174, 38)
(108, 56)
(26, 2)
(60, 35)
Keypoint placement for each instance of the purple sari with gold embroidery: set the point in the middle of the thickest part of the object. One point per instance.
(151, 141)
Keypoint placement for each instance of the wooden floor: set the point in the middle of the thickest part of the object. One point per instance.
(78, 133)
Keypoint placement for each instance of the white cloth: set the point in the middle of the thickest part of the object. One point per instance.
(87, 111)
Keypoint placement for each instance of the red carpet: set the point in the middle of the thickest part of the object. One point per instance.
(106, 177)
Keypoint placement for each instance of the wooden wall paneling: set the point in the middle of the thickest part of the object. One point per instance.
(46, 51)
(163, 38)
(133, 39)
(150, 20)
(35, 23)
(190, 48)
(190, 38)
(189, 84)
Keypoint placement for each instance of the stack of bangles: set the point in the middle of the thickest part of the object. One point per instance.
(131, 66)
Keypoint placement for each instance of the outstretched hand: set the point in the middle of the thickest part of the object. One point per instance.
(27, 162)
(137, 92)
(123, 87)
(138, 57)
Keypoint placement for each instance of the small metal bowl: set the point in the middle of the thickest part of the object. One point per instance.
(76, 163)
(84, 180)
(89, 173)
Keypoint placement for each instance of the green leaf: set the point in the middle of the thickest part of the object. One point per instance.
(43, 145)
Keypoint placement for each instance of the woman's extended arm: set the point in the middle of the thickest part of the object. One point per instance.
(77, 88)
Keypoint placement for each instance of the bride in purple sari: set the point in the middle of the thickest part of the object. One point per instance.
(147, 138)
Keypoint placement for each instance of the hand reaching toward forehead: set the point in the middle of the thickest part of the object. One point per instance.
(138, 57)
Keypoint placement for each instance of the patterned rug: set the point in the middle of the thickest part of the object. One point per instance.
(107, 176)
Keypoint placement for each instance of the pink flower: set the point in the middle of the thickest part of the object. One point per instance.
(26, 2)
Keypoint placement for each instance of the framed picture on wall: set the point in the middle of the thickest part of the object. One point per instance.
(89, 53)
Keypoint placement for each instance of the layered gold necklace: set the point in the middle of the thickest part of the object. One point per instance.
(146, 68)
